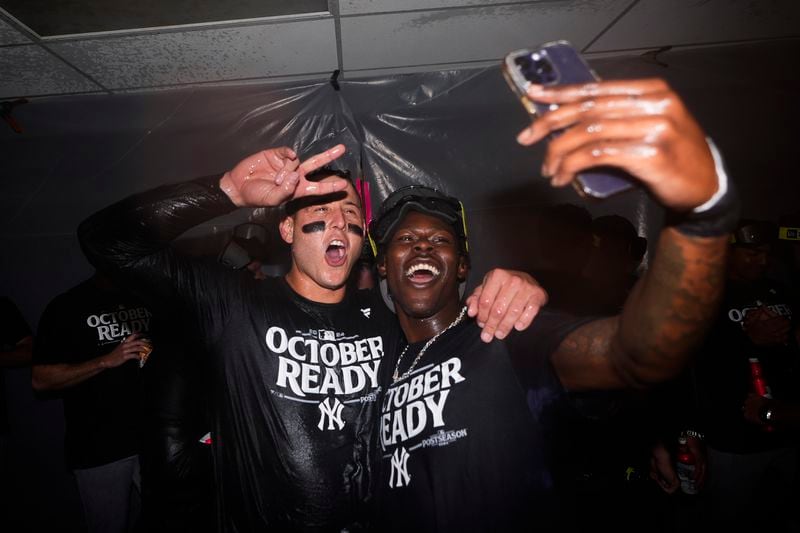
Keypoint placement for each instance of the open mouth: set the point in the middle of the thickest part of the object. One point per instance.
(422, 273)
(336, 253)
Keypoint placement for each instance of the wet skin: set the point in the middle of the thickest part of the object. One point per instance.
(322, 260)
(423, 267)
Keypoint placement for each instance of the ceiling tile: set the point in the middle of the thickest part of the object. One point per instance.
(29, 70)
(9, 35)
(467, 35)
(654, 23)
(68, 17)
(209, 55)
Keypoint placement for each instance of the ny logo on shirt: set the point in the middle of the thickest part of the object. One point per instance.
(331, 409)
(399, 476)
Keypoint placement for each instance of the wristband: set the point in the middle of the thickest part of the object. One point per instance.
(719, 215)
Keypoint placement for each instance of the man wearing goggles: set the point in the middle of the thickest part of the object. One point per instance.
(459, 449)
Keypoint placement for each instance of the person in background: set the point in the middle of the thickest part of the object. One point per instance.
(364, 275)
(90, 346)
(612, 268)
(564, 237)
(744, 429)
(602, 439)
(247, 249)
(785, 266)
(16, 349)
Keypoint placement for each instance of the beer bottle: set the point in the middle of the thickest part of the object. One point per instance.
(686, 466)
(760, 386)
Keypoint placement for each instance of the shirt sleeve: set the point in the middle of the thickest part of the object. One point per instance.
(134, 231)
(131, 241)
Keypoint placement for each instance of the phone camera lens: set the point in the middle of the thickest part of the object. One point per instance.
(528, 67)
(544, 71)
(536, 68)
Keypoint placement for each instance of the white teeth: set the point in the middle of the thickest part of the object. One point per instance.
(337, 242)
(422, 266)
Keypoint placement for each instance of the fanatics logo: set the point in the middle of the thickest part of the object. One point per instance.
(366, 311)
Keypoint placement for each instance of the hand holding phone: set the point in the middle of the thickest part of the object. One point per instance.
(558, 63)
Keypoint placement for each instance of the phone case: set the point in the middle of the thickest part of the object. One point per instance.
(558, 63)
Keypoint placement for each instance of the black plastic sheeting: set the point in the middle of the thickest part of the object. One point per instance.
(453, 130)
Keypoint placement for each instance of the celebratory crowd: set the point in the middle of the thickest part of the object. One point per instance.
(301, 402)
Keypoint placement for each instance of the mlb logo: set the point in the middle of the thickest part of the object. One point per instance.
(326, 335)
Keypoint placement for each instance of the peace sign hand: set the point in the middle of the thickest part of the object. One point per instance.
(274, 176)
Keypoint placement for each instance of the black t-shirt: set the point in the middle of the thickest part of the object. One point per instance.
(298, 391)
(295, 383)
(722, 370)
(103, 413)
(13, 328)
(294, 395)
(460, 449)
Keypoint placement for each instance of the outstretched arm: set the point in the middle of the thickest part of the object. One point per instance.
(643, 127)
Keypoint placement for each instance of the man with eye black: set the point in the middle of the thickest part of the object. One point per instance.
(296, 359)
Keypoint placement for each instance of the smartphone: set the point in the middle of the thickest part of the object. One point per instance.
(558, 63)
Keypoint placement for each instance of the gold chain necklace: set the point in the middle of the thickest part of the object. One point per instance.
(396, 376)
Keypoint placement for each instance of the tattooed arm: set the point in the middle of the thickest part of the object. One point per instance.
(664, 319)
(643, 127)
